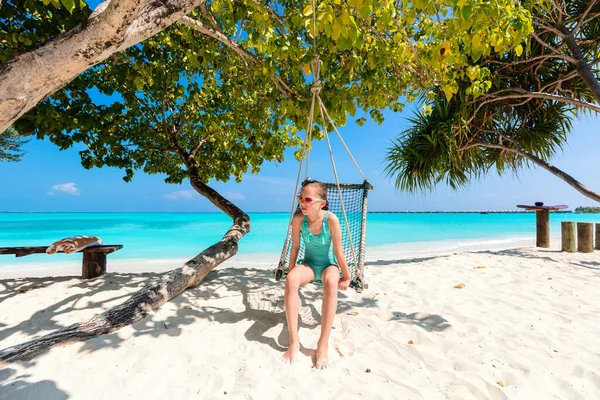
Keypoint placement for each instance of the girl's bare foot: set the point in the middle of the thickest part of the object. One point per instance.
(292, 351)
(322, 358)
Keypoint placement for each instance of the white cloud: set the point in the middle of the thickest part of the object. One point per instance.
(234, 196)
(69, 188)
(180, 194)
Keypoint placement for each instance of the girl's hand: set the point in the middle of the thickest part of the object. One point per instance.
(344, 283)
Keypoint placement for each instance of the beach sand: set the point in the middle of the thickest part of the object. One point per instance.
(527, 326)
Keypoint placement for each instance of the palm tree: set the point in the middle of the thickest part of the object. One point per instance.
(523, 119)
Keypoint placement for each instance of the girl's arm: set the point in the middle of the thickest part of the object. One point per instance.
(296, 226)
(336, 239)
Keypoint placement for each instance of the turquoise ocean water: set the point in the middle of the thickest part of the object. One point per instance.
(183, 235)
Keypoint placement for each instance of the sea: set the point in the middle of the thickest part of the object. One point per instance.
(183, 235)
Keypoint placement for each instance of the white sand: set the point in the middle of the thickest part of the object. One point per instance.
(529, 320)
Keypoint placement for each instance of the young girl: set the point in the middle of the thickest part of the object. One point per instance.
(319, 230)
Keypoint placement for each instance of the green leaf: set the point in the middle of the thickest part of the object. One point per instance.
(345, 17)
(448, 92)
(519, 50)
(69, 5)
(337, 30)
(476, 43)
(467, 11)
(139, 83)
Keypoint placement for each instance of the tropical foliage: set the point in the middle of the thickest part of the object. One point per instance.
(11, 146)
(26, 24)
(228, 85)
(373, 51)
(588, 210)
(523, 118)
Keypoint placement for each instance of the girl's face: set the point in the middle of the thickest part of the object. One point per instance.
(310, 202)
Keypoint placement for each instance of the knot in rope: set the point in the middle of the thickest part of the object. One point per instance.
(316, 87)
(315, 65)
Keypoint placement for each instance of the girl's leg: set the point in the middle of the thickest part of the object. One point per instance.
(330, 278)
(299, 275)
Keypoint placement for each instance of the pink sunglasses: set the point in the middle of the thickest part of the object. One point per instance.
(308, 200)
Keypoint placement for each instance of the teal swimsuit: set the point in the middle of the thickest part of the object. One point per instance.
(318, 252)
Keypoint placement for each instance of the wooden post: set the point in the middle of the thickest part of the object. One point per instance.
(542, 222)
(598, 236)
(568, 236)
(94, 264)
(585, 237)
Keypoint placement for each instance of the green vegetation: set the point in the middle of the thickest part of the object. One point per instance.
(24, 24)
(10, 146)
(226, 88)
(588, 210)
(523, 116)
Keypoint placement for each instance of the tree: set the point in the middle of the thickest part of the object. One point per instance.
(29, 77)
(409, 48)
(522, 114)
(588, 210)
(188, 119)
(565, 49)
(10, 146)
(245, 106)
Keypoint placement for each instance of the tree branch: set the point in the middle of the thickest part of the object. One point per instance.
(200, 143)
(591, 18)
(200, 27)
(583, 68)
(152, 297)
(273, 15)
(561, 11)
(209, 17)
(30, 77)
(544, 164)
(521, 93)
(533, 59)
(241, 52)
(554, 49)
(548, 28)
(581, 21)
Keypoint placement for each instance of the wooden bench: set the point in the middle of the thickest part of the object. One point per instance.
(94, 258)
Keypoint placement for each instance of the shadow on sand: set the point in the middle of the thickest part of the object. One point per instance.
(261, 296)
(17, 387)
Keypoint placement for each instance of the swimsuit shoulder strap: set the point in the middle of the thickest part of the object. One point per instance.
(325, 224)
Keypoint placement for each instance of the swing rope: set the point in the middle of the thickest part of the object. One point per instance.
(306, 148)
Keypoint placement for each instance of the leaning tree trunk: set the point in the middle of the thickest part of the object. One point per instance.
(151, 297)
(115, 25)
(584, 190)
(584, 70)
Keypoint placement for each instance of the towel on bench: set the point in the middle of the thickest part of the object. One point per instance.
(74, 243)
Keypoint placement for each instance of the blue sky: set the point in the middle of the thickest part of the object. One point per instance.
(49, 180)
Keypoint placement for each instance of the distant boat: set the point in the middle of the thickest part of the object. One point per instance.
(484, 212)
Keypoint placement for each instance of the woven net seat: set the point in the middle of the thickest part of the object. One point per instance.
(355, 204)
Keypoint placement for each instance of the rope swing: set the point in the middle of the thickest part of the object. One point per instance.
(351, 202)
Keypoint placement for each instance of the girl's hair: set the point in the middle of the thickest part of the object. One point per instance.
(320, 188)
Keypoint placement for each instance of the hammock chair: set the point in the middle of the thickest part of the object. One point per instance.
(350, 201)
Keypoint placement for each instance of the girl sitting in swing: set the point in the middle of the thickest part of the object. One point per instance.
(320, 230)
